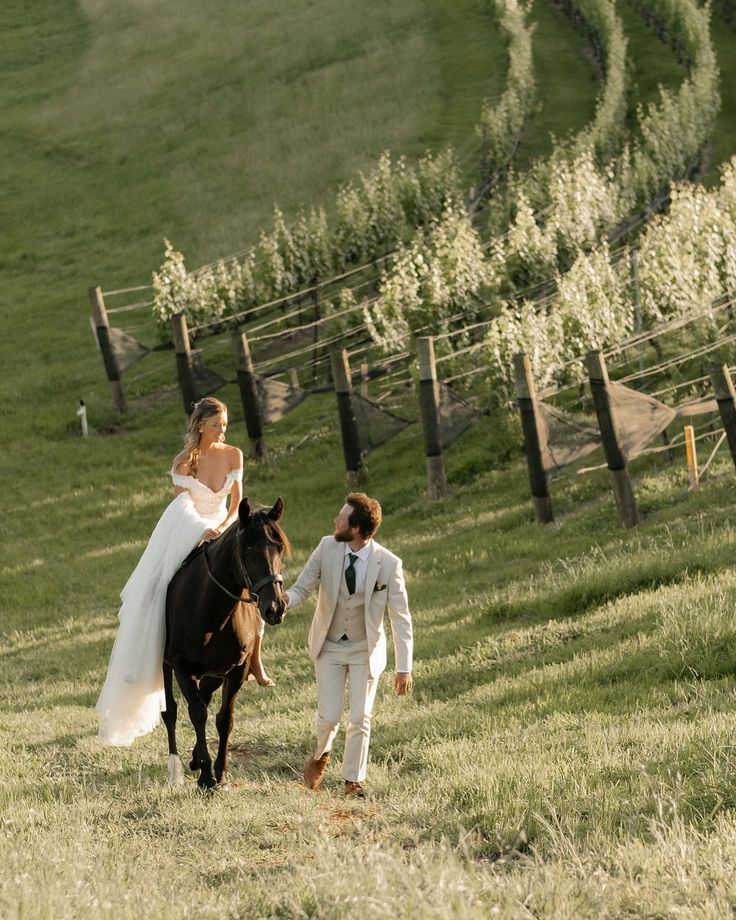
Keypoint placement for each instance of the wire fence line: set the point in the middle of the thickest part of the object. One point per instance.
(372, 264)
(679, 386)
(297, 353)
(641, 338)
(303, 292)
(470, 143)
(128, 308)
(215, 325)
(680, 359)
(674, 444)
(314, 324)
(654, 334)
(469, 349)
(396, 379)
(128, 290)
(359, 344)
(455, 332)
(465, 374)
(644, 375)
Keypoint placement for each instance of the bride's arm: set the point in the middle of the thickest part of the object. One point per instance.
(236, 493)
(182, 469)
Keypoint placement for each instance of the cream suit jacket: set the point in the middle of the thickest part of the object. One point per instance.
(384, 588)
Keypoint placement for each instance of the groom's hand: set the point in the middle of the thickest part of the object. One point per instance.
(402, 682)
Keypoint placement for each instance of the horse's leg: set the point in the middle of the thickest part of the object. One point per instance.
(224, 720)
(207, 687)
(176, 771)
(198, 716)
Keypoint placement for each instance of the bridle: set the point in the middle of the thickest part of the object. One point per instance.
(253, 589)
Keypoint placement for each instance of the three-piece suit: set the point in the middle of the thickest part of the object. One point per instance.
(347, 639)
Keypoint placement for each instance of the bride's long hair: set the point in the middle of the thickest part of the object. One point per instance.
(202, 410)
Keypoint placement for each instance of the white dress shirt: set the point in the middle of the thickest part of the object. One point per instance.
(361, 564)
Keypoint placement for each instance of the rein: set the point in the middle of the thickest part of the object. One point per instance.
(253, 589)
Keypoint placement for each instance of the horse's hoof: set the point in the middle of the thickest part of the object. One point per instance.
(176, 771)
(193, 766)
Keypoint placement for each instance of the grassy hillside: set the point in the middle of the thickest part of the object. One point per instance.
(122, 124)
(568, 749)
(147, 120)
(724, 140)
(569, 738)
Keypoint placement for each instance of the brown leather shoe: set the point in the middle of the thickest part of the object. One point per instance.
(315, 770)
(354, 789)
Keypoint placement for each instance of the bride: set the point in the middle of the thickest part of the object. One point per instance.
(204, 474)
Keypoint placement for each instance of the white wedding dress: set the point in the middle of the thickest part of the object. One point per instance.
(132, 698)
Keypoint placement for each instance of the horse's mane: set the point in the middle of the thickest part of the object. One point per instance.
(277, 534)
(274, 530)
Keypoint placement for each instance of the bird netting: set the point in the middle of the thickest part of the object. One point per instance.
(277, 398)
(456, 414)
(206, 380)
(376, 425)
(639, 418)
(566, 438)
(125, 348)
(702, 406)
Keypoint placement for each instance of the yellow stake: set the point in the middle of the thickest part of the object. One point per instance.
(692, 457)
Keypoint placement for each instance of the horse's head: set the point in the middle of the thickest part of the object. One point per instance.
(262, 544)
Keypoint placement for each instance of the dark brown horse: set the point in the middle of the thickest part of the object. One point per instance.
(213, 607)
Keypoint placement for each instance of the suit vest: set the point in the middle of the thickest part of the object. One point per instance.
(349, 616)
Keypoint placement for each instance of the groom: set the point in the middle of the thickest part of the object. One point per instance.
(358, 579)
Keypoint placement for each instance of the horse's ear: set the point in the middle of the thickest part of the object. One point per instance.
(277, 510)
(244, 512)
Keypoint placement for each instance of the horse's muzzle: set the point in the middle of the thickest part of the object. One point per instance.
(274, 613)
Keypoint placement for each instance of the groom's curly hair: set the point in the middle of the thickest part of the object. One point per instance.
(366, 513)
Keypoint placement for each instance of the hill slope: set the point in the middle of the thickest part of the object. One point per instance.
(568, 749)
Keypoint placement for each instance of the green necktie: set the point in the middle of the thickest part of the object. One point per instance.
(350, 573)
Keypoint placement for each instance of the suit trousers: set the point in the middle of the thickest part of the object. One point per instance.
(337, 664)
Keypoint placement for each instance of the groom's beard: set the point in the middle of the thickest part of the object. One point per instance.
(343, 536)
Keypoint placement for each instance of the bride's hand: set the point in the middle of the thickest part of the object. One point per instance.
(209, 534)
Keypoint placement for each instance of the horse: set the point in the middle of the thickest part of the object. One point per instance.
(212, 608)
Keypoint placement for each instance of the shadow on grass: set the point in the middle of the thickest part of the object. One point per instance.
(593, 591)
(546, 687)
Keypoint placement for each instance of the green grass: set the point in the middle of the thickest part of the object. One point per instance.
(572, 714)
(568, 749)
(567, 85)
(723, 146)
(652, 64)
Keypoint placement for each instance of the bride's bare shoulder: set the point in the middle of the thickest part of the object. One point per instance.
(180, 465)
(234, 456)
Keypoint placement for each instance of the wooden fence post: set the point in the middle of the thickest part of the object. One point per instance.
(184, 371)
(531, 425)
(620, 482)
(356, 474)
(364, 378)
(102, 325)
(430, 408)
(252, 409)
(725, 395)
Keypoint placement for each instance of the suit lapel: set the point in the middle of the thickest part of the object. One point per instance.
(371, 574)
(337, 559)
